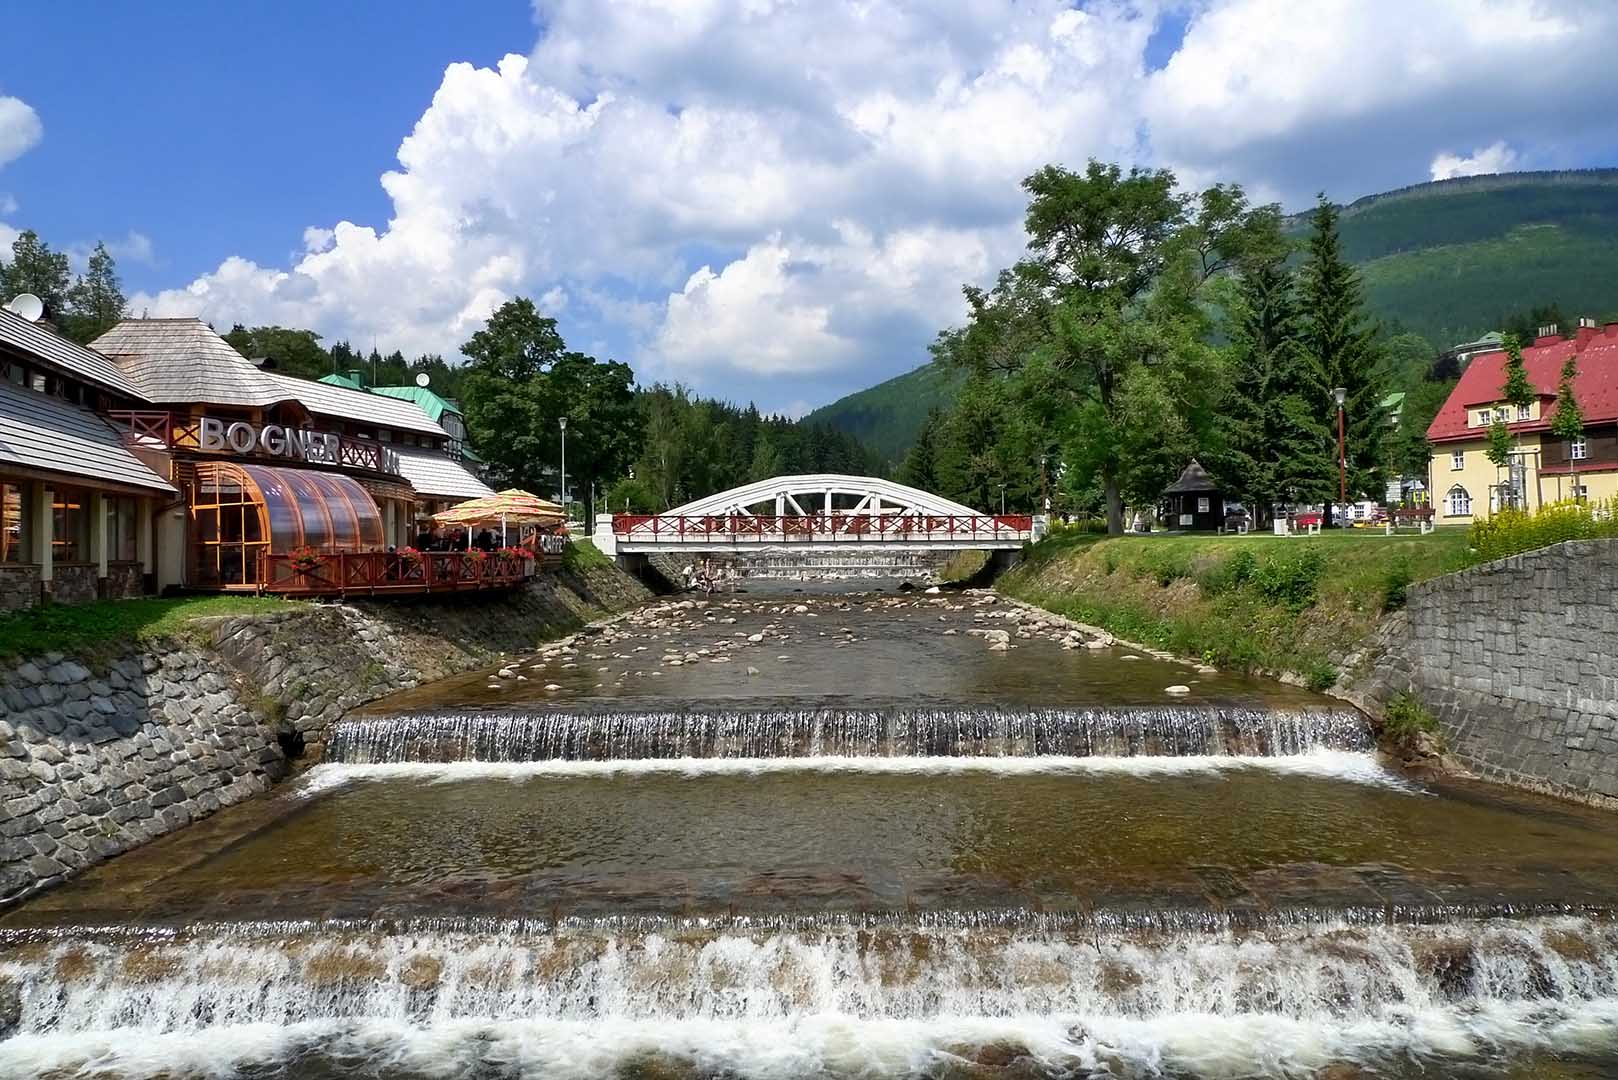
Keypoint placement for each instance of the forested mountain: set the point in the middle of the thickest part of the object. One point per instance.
(1449, 261)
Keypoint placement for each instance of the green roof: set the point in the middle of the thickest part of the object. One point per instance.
(431, 404)
(341, 380)
(1393, 401)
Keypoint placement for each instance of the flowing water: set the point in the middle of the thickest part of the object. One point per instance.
(741, 839)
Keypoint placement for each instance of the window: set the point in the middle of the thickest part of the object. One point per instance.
(1457, 459)
(1577, 449)
(1580, 493)
(120, 529)
(13, 524)
(1458, 503)
(70, 526)
(1525, 412)
(1500, 415)
(1202, 506)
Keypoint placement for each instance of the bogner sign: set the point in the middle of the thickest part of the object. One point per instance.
(277, 440)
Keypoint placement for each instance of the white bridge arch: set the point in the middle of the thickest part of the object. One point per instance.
(814, 511)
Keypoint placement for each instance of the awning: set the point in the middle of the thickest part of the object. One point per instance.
(510, 507)
(437, 476)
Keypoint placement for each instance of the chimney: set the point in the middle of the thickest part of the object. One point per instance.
(357, 375)
(1548, 335)
(1587, 331)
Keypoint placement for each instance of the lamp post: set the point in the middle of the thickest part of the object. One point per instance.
(563, 423)
(1340, 394)
(1002, 500)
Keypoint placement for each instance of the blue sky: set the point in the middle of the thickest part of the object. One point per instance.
(769, 202)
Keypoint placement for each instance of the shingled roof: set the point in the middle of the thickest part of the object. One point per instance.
(35, 340)
(362, 405)
(175, 361)
(41, 432)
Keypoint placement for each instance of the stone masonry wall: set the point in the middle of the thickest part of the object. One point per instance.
(99, 756)
(1519, 661)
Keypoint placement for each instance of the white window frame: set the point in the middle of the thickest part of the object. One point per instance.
(1500, 414)
(1525, 412)
(1578, 448)
(1458, 506)
(1457, 460)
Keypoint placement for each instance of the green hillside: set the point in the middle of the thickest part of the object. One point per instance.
(887, 416)
(1447, 260)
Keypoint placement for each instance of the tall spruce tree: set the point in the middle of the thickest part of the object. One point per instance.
(1277, 444)
(35, 268)
(96, 301)
(920, 466)
(1341, 338)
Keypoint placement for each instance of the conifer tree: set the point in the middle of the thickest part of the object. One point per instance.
(1342, 341)
(1278, 445)
(1567, 423)
(920, 466)
(35, 268)
(96, 301)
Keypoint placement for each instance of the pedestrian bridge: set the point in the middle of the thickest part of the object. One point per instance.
(819, 511)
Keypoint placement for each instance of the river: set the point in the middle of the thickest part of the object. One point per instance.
(812, 833)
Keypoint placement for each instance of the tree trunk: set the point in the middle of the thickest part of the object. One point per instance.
(1115, 506)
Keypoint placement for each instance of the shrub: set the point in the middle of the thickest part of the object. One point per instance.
(1511, 532)
(1166, 565)
(1291, 578)
(1405, 717)
(1320, 676)
(1395, 584)
(1232, 573)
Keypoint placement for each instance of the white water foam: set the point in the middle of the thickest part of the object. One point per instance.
(1199, 1045)
(1349, 766)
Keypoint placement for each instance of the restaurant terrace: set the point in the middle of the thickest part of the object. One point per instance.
(160, 459)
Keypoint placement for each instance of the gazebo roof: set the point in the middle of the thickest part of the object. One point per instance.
(1195, 478)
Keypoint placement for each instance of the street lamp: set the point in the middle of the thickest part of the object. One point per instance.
(1340, 394)
(1002, 500)
(563, 423)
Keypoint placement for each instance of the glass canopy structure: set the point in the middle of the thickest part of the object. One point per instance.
(241, 511)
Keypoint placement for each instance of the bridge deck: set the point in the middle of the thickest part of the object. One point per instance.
(664, 532)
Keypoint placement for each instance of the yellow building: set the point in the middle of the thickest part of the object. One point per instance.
(1544, 468)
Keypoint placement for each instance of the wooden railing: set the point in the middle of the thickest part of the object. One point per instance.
(842, 528)
(378, 572)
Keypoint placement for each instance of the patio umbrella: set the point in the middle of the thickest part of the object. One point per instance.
(512, 506)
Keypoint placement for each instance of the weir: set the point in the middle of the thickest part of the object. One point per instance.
(709, 872)
(1125, 731)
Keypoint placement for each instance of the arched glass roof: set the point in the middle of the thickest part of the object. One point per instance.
(308, 508)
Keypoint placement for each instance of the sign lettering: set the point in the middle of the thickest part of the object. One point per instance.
(277, 440)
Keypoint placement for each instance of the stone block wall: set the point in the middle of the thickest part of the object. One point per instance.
(124, 581)
(98, 757)
(72, 583)
(1519, 660)
(19, 587)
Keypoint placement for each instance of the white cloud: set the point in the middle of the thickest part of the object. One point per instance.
(1494, 158)
(20, 129)
(316, 239)
(779, 189)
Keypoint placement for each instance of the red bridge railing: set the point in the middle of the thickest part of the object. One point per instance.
(377, 572)
(842, 528)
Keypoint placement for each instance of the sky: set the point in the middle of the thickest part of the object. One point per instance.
(766, 200)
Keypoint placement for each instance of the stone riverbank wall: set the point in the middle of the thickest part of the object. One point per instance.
(1518, 659)
(100, 755)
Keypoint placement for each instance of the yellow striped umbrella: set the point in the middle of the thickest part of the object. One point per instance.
(510, 507)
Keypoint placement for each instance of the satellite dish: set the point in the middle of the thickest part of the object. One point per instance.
(27, 305)
(422, 379)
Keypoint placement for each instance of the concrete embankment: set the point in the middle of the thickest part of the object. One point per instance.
(98, 756)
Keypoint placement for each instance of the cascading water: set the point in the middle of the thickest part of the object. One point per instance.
(1188, 1003)
(750, 877)
(1160, 730)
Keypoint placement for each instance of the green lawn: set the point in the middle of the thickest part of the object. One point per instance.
(1257, 602)
(81, 629)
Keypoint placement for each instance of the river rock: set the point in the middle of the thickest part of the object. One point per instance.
(1177, 689)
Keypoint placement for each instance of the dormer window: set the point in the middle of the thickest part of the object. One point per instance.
(1577, 449)
(1525, 412)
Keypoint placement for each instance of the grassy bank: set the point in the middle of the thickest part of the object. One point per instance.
(1240, 602)
(84, 629)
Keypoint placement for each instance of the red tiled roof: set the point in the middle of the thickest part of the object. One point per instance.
(1595, 385)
